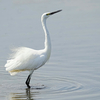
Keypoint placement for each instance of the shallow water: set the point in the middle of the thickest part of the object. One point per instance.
(72, 72)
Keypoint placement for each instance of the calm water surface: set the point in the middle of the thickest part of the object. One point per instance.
(73, 71)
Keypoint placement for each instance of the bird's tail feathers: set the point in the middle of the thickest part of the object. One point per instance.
(13, 73)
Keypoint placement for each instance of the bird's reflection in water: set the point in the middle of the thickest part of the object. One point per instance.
(28, 95)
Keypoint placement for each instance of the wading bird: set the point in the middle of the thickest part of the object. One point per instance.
(27, 59)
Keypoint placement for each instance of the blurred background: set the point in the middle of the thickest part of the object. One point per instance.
(73, 70)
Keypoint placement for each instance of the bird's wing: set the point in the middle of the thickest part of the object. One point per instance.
(21, 59)
(39, 61)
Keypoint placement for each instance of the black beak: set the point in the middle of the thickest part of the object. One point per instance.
(54, 12)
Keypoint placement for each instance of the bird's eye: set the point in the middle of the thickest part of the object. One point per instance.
(48, 14)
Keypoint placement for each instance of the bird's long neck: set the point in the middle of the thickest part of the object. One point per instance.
(47, 38)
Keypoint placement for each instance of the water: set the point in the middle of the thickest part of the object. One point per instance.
(72, 72)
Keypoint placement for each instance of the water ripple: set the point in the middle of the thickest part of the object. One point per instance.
(57, 85)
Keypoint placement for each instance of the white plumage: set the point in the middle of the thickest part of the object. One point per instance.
(27, 59)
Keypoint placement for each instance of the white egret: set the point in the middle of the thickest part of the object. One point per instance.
(27, 59)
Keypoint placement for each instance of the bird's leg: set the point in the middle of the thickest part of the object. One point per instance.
(28, 79)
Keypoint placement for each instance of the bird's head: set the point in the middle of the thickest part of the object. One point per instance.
(46, 15)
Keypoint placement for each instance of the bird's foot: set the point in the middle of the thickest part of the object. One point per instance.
(27, 83)
(28, 86)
